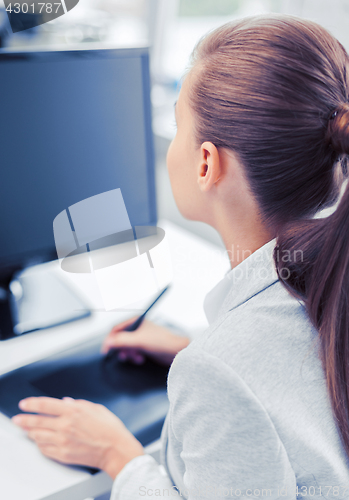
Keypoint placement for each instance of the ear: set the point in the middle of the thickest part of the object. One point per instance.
(210, 166)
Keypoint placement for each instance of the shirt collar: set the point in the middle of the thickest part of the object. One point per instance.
(250, 277)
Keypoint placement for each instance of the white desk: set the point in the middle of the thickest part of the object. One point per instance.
(24, 472)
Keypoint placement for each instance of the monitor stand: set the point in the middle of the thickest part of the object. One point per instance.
(36, 299)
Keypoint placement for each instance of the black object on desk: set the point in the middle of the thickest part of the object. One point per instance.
(137, 394)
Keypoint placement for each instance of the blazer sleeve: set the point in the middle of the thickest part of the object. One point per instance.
(142, 477)
(228, 442)
(220, 435)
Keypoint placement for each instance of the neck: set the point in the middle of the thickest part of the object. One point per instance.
(242, 239)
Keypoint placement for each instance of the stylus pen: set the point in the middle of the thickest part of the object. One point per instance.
(137, 323)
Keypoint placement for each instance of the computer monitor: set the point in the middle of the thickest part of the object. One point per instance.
(73, 124)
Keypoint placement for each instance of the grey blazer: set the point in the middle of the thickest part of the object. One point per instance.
(249, 413)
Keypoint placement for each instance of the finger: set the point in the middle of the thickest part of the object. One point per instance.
(138, 358)
(123, 339)
(58, 453)
(42, 404)
(135, 356)
(35, 421)
(50, 451)
(113, 341)
(123, 355)
(43, 436)
(104, 348)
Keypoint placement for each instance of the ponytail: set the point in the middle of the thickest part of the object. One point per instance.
(320, 276)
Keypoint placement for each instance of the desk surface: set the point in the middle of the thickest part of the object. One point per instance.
(24, 471)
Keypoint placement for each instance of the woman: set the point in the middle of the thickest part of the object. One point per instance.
(259, 403)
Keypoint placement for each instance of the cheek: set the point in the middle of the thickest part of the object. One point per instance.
(170, 159)
(174, 164)
(176, 171)
(181, 177)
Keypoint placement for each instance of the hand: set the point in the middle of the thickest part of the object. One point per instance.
(79, 432)
(149, 339)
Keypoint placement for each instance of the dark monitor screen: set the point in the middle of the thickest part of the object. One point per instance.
(73, 124)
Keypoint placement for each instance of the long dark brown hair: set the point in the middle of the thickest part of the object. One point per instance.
(275, 91)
